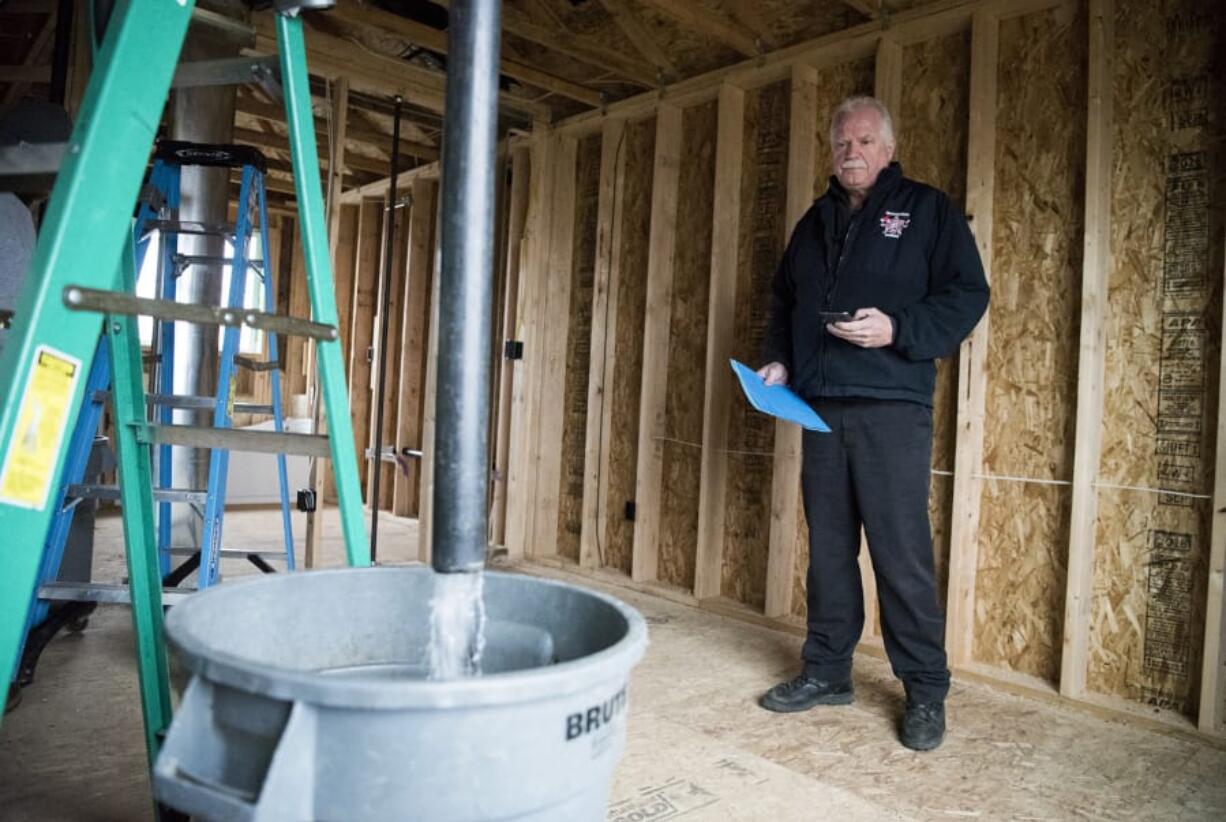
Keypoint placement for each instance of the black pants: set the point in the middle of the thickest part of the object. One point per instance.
(873, 470)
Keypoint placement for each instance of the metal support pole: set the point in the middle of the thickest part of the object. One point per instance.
(389, 237)
(462, 403)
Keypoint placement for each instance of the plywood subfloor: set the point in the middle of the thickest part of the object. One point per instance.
(698, 747)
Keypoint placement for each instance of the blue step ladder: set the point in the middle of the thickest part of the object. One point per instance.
(252, 218)
(157, 214)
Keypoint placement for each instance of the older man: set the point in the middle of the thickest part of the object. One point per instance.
(881, 276)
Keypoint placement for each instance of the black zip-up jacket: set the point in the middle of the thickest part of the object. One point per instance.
(909, 252)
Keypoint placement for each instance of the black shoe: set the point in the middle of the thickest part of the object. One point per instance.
(923, 725)
(802, 693)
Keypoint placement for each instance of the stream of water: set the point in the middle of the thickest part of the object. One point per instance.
(457, 626)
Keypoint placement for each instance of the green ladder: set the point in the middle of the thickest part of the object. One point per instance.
(84, 254)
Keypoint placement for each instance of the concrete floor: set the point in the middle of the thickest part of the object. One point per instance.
(698, 746)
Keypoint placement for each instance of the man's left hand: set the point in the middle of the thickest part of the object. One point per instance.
(869, 328)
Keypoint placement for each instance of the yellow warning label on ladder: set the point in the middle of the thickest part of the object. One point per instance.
(42, 421)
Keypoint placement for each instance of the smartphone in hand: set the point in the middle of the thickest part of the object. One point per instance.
(835, 316)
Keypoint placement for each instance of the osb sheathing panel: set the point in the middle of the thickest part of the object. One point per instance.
(1163, 330)
(578, 347)
(834, 83)
(687, 349)
(1032, 354)
(751, 436)
(624, 386)
(932, 137)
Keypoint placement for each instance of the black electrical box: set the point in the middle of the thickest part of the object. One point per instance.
(306, 500)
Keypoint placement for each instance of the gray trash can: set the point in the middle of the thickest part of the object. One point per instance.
(309, 701)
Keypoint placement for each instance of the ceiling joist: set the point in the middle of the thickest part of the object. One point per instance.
(278, 143)
(519, 24)
(354, 133)
(435, 40)
(380, 74)
(869, 8)
(637, 33)
(706, 22)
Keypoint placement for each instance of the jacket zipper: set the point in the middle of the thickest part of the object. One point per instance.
(834, 284)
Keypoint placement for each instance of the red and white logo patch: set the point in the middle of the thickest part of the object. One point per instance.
(893, 223)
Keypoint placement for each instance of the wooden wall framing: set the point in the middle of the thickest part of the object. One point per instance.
(1031, 472)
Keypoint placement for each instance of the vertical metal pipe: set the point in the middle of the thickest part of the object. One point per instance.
(461, 443)
(389, 238)
(199, 115)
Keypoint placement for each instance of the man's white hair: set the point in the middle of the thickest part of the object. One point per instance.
(854, 104)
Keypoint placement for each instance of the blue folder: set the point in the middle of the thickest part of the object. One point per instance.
(777, 400)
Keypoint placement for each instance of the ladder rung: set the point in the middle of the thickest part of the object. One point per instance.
(187, 551)
(185, 260)
(79, 298)
(99, 592)
(204, 403)
(190, 227)
(264, 442)
(257, 365)
(111, 492)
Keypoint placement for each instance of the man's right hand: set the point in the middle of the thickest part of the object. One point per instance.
(774, 373)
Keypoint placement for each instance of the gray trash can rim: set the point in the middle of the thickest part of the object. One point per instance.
(380, 693)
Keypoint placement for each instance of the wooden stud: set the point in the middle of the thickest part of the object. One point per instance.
(332, 215)
(604, 328)
(520, 189)
(1212, 715)
(972, 374)
(425, 506)
(553, 336)
(81, 58)
(525, 394)
(721, 314)
(362, 316)
(1096, 270)
(888, 89)
(391, 384)
(652, 422)
(414, 342)
(785, 485)
(888, 77)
